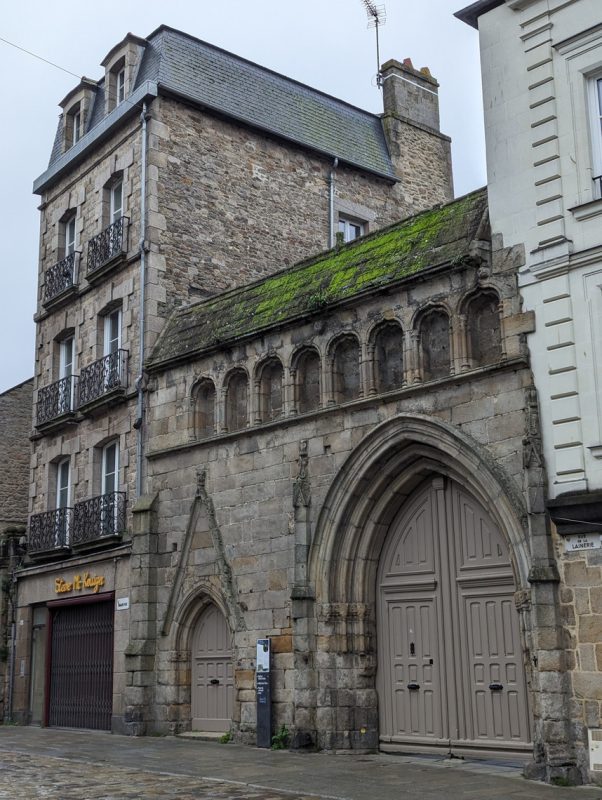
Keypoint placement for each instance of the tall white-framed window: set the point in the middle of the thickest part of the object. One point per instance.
(63, 483)
(66, 357)
(113, 366)
(110, 469)
(70, 235)
(61, 502)
(351, 229)
(115, 202)
(120, 85)
(112, 332)
(595, 107)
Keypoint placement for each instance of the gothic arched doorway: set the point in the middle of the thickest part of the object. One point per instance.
(212, 674)
(450, 663)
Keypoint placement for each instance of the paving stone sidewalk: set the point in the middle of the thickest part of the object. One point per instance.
(51, 764)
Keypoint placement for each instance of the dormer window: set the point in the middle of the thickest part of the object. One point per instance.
(121, 65)
(73, 126)
(121, 86)
(77, 126)
(116, 84)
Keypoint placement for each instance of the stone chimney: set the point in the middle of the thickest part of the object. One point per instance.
(420, 152)
(410, 93)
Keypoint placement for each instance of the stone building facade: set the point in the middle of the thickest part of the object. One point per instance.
(15, 427)
(548, 196)
(241, 434)
(171, 178)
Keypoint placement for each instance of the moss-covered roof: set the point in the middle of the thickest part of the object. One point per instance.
(438, 237)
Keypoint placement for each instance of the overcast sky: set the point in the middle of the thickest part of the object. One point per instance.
(324, 43)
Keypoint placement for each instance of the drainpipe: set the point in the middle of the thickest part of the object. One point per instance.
(144, 117)
(331, 239)
(13, 556)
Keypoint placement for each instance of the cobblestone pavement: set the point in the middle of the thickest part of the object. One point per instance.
(49, 764)
(32, 777)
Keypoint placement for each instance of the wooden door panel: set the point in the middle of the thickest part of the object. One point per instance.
(495, 690)
(416, 685)
(448, 624)
(212, 689)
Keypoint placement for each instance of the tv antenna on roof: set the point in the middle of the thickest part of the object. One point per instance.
(377, 16)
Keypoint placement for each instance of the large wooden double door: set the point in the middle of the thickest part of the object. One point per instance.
(451, 671)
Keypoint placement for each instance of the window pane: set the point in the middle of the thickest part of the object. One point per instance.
(70, 236)
(116, 202)
(121, 86)
(66, 366)
(76, 127)
(62, 485)
(110, 466)
(599, 82)
(112, 332)
(341, 226)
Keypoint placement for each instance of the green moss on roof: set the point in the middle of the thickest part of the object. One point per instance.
(440, 236)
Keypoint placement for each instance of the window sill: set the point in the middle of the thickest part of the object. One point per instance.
(587, 210)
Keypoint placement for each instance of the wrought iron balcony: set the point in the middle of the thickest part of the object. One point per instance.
(49, 532)
(106, 248)
(61, 278)
(98, 519)
(103, 378)
(56, 402)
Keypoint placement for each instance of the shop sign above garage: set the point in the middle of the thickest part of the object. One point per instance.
(79, 583)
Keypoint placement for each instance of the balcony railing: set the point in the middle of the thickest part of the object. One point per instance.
(50, 532)
(56, 400)
(61, 277)
(108, 245)
(98, 518)
(103, 377)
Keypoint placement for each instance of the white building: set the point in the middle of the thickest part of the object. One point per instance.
(542, 87)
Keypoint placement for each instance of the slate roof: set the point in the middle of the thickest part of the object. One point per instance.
(440, 237)
(239, 89)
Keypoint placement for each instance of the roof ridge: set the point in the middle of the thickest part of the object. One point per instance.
(261, 67)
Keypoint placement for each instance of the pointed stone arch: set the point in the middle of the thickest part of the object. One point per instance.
(375, 480)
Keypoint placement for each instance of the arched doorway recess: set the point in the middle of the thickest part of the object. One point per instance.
(380, 480)
(450, 662)
(212, 673)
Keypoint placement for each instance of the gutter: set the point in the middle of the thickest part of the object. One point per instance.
(139, 423)
(331, 192)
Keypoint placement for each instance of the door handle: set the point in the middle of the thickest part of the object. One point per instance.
(214, 681)
(496, 687)
(413, 686)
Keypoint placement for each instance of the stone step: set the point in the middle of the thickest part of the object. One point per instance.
(201, 736)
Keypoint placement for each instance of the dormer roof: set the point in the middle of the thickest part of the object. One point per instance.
(83, 85)
(129, 38)
(177, 64)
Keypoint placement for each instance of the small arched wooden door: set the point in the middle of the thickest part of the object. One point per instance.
(212, 689)
(451, 672)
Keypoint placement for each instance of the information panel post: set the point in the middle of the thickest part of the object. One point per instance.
(264, 694)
